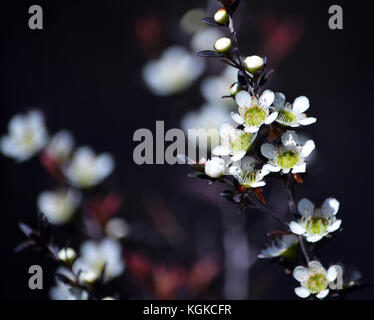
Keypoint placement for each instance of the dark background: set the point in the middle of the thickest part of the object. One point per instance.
(83, 71)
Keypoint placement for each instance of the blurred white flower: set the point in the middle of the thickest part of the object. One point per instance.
(316, 222)
(175, 71)
(65, 292)
(314, 279)
(234, 143)
(279, 246)
(86, 169)
(95, 255)
(204, 39)
(191, 21)
(246, 174)
(290, 155)
(253, 112)
(61, 146)
(27, 135)
(117, 228)
(292, 115)
(59, 206)
(215, 167)
(205, 123)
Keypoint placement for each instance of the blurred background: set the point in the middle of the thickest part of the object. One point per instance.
(86, 71)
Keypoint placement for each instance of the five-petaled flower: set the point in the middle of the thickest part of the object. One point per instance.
(292, 115)
(253, 111)
(316, 222)
(290, 155)
(314, 279)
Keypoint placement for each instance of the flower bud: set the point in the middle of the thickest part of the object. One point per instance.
(215, 167)
(235, 88)
(253, 64)
(67, 255)
(88, 278)
(221, 16)
(223, 45)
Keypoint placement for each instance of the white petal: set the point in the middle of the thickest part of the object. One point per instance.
(332, 273)
(296, 228)
(299, 168)
(279, 100)
(267, 98)
(238, 155)
(305, 207)
(268, 151)
(237, 118)
(315, 265)
(323, 294)
(221, 151)
(300, 273)
(308, 148)
(335, 226)
(307, 121)
(300, 105)
(271, 168)
(314, 238)
(251, 129)
(286, 171)
(258, 184)
(330, 206)
(243, 99)
(290, 139)
(271, 118)
(302, 292)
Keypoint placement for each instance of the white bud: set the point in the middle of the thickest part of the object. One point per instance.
(67, 255)
(253, 64)
(235, 88)
(215, 167)
(88, 277)
(221, 16)
(223, 45)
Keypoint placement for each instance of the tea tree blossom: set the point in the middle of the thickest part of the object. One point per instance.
(314, 279)
(279, 247)
(316, 223)
(254, 112)
(246, 174)
(234, 143)
(289, 156)
(95, 255)
(61, 146)
(215, 167)
(253, 64)
(27, 135)
(292, 115)
(59, 206)
(86, 169)
(64, 291)
(175, 71)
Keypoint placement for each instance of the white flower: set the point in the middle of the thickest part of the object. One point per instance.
(175, 71)
(235, 143)
(314, 279)
(215, 167)
(117, 228)
(191, 20)
(95, 255)
(292, 115)
(203, 124)
(253, 112)
(27, 135)
(279, 246)
(86, 169)
(247, 175)
(203, 38)
(60, 146)
(290, 155)
(65, 292)
(316, 222)
(59, 206)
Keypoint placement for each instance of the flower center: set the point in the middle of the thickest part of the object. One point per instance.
(286, 117)
(242, 143)
(317, 282)
(287, 159)
(249, 177)
(255, 116)
(316, 226)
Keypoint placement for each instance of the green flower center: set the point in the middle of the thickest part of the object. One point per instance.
(286, 117)
(242, 143)
(249, 178)
(316, 226)
(317, 282)
(255, 116)
(287, 159)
